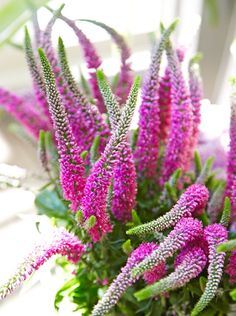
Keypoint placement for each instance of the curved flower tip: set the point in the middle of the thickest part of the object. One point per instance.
(214, 234)
(124, 280)
(188, 265)
(231, 268)
(185, 231)
(192, 201)
(57, 242)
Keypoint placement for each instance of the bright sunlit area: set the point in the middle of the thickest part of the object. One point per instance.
(206, 26)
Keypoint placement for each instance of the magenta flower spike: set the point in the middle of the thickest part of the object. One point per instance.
(125, 76)
(71, 164)
(92, 59)
(164, 104)
(98, 182)
(124, 279)
(196, 95)
(91, 121)
(231, 268)
(214, 234)
(230, 189)
(178, 143)
(185, 231)
(191, 202)
(147, 147)
(188, 265)
(24, 112)
(57, 242)
(124, 180)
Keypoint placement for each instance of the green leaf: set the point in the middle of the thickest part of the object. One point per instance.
(227, 246)
(127, 247)
(197, 163)
(233, 294)
(49, 203)
(225, 218)
(135, 218)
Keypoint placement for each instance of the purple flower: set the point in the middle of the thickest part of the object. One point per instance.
(24, 112)
(125, 76)
(188, 265)
(71, 164)
(124, 186)
(164, 104)
(58, 242)
(192, 201)
(178, 143)
(92, 59)
(231, 268)
(230, 189)
(214, 234)
(196, 95)
(185, 231)
(98, 182)
(124, 280)
(147, 147)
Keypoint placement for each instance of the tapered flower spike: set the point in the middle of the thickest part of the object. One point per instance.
(192, 200)
(91, 121)
(57, 242)
(23, 111)
(125, 76)
(178, 143)
(98, 182)
(215, 203)
(196, 95)
(38, 83)
(124, 280)
(164, 104)
(230, 189)
(124, 183)
(190, 263)
(231, 268)
(215, 234)
(185, 231)
(147, 147)
(92, 59)
(71, 164)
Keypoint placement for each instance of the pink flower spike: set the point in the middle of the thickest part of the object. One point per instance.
(178, 143)
(59, 241)
(231, 268)
(24, 112)
(123, 281)
(72, 168)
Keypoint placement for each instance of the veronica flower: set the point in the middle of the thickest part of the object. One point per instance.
(91, 121)
(178, 144)
(125, 76)
(71, 164)
(231, 161)
(147, 147)
(124, 181)
(188, 265)
(24, 112)
(191, 201)
(185, 231)
(92, 59)
(231, 268)
(196, 95)
(125, 279)
(164, 104)
(58, 242)
(214, 234)
(98, 182)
